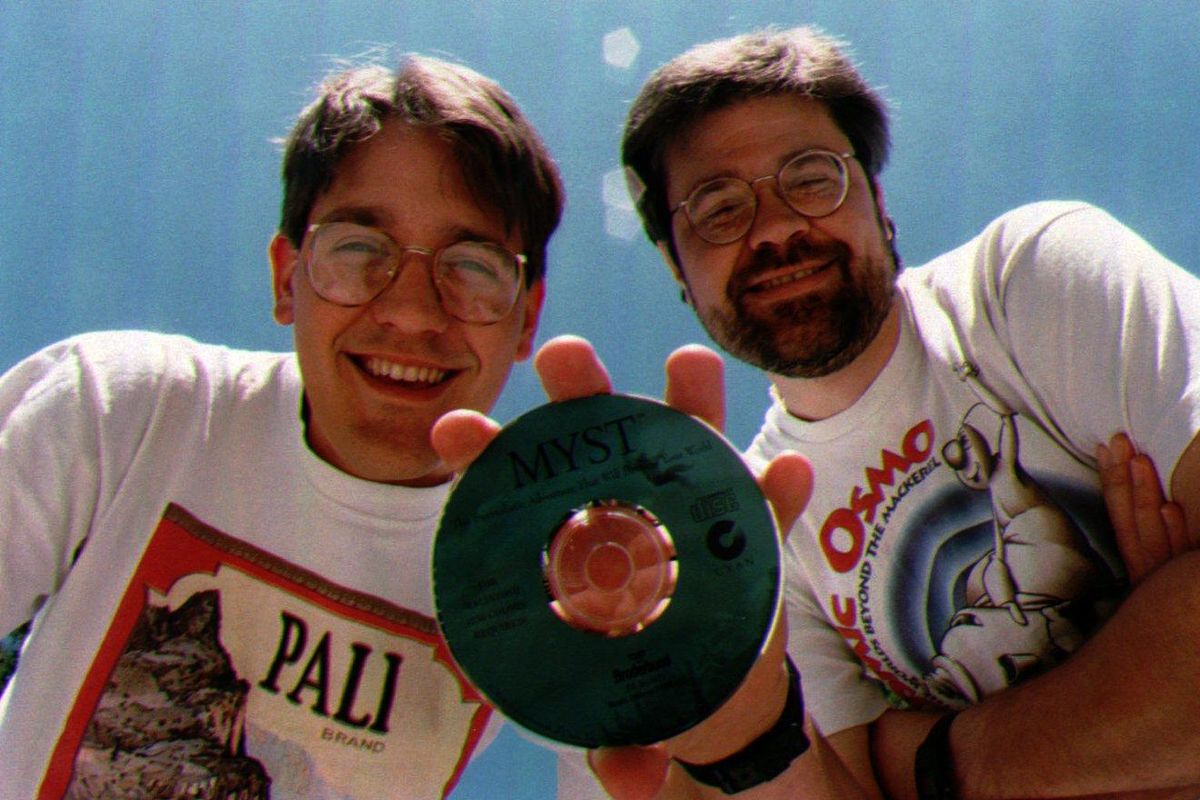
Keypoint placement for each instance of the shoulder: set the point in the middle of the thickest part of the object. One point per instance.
(1055, 232)
(106, 364)
(1023, 226)
(1034, 218)
(1046, 239)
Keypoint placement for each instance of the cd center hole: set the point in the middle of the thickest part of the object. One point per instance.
(609, 567)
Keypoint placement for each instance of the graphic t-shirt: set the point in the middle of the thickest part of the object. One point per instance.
(217, 612)
(957, 542)
(195, 689)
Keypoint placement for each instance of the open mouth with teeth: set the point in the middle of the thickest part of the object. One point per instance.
(787, 277)
(403, 373)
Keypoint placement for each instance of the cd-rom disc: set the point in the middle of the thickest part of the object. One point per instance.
(607, 571)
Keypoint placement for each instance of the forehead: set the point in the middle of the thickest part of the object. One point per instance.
(747, 139)
(408, 181)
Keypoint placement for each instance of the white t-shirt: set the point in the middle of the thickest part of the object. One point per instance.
(217, 609)
(957, 541)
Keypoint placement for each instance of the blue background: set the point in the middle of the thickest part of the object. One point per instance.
(139, 177)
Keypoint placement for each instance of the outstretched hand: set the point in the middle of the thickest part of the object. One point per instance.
(569, 368)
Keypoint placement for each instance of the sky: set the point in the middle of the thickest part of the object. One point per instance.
(139, 168)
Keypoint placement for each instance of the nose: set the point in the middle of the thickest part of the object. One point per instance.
(411, 302)
(775, 222)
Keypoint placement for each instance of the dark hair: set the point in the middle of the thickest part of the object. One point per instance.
(507, 165)
(800, 61)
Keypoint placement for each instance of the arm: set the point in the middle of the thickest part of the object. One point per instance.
(51, 477)
(836, 767)
(568, 367)
(1117, 719)
(1119, 716)
(1185, 495)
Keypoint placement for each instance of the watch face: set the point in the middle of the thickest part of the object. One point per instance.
(607, 571)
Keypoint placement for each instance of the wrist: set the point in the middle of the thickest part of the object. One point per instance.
(767, 756)
(933, 765)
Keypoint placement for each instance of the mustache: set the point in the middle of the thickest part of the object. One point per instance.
(768, 257)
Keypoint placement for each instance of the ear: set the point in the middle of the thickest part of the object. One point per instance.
(535, 295)
(664, 250)
(881, 210)
(284, 257)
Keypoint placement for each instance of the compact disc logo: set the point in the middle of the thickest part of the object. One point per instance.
(725, 541)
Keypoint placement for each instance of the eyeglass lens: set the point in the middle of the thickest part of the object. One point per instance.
(812, 184)
(352, 264)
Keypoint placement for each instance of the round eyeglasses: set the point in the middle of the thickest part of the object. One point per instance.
(350, 265)
(814, 183)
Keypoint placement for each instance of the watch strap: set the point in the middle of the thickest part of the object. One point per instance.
(934, 763)
(767, 756)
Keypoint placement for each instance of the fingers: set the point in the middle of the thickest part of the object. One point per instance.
(569, 367)
(696, 383)
(1157, 514)
(1148, 502)
(459, 436)
(1115, 482)
(1117, 486)
(630, 773)
(787, 483)
(1177, 532)
(1149, 529)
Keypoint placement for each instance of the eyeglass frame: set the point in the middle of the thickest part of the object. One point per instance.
(840, 158)
(519, 259)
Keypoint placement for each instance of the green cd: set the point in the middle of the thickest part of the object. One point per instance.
(607, 571)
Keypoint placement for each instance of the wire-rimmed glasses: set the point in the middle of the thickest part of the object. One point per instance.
(814, 183)
(350, 265)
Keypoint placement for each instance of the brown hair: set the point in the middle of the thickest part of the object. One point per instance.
(507, 166)
(800, 61)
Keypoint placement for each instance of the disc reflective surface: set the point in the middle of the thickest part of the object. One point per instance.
(607, 571)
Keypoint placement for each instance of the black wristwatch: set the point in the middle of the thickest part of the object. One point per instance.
(767, 756)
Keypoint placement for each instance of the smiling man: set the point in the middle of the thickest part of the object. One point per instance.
(420, 331)
(225, 554)
(960, 608)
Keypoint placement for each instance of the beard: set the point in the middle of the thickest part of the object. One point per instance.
(810, 336)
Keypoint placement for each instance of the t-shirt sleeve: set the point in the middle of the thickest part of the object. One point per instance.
(72, 417)
(50, 482)
(1102, 328)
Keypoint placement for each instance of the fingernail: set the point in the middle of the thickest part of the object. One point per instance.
(1141, 471)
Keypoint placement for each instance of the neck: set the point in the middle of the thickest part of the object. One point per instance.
(820, 398)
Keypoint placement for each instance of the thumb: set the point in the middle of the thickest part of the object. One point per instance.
(459, 436)
(630, 773)
(787, 483)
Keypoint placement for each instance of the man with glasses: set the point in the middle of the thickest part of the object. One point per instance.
(960, 605)
(225, 555)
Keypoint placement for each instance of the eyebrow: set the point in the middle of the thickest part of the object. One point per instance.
(786, 157)
(381, 219)
(370, 216)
